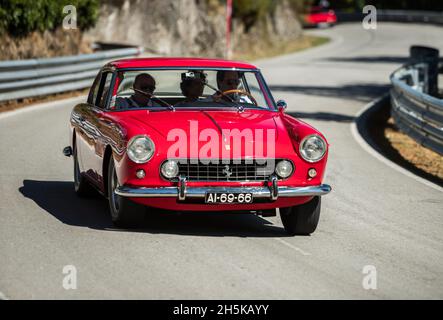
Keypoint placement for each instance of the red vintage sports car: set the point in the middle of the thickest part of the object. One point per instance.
(187, 134)
(320, 17)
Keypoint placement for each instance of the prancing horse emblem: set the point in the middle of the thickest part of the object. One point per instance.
(227, 171)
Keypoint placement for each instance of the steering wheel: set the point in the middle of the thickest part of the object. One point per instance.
(225, 93)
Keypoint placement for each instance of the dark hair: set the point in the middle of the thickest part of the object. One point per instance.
(143, 75)
(188, 79)
(221, 75)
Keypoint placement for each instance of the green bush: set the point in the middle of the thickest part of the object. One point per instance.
(19, 17)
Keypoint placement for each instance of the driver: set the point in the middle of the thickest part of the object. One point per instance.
(144, 86)
(229, 80)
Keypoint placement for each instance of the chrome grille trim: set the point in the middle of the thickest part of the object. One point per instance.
(235, 170)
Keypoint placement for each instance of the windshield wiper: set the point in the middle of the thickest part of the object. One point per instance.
(240, 108)
(151, 96)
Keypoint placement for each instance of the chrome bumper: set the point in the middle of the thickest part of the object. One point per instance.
(182, 191)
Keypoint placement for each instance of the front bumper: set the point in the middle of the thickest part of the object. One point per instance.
(182, 192)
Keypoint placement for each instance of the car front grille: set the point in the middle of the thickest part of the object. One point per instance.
(238, 170)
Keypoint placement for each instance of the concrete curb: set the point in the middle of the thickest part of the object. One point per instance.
(360, 132)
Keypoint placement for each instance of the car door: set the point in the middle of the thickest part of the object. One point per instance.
(78, 117)
(92, 127)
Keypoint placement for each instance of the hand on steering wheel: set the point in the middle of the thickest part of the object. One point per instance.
(227, 92)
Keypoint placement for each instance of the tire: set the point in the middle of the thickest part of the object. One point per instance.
(124, 212)
(302, 219)
(81, 186)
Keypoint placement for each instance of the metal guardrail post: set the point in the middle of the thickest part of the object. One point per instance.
(428, 17)
(430, 56)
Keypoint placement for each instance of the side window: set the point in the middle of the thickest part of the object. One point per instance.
(92, 97)
(253, 86)
(103, 90)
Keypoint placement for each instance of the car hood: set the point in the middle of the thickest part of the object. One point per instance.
(195, 124)
(218, 120)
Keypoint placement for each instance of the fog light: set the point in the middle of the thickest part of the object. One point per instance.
(140, 173)
(284, 169)
(169, 169)
(312, 173)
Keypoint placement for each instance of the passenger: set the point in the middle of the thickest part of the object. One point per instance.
(144, 87)
(226, 81)
(192, 86)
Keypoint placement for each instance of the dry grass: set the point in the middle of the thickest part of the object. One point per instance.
(20, 103)
(267, 51)
(419, 156)
(43, 44)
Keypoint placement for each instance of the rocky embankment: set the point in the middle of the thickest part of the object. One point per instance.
(189, 27)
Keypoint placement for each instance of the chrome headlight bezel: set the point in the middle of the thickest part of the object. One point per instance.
(284, 176)
(303, 146)
(147, 156)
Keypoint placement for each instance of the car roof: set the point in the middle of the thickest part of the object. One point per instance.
(179, 62)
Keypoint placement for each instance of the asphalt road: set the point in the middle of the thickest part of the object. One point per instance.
(374, 216)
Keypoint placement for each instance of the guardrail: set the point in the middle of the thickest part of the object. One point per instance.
(415, 111)
(35, 77)
(431, 17)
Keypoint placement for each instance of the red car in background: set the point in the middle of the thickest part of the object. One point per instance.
(209, 137)
(319, 16)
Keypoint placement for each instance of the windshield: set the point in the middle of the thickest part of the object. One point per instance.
(190, 88)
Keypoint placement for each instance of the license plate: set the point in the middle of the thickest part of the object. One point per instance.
(216, 197)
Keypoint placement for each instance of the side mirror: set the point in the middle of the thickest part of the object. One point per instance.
(281, 105)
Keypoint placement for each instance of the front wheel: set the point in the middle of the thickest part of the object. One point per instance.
(124, 212)
(302, 219)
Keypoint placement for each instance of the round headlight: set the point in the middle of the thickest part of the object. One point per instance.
(284, 169)
(313, 148)
(169, 169)
(140, 149)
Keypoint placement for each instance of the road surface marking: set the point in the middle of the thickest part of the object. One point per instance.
(293, 247)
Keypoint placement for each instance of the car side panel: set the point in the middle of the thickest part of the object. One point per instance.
(80, 138)
(86, 121)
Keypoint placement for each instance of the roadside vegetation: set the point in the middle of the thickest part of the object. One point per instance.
(403, 150)
(31, 29)
(21, 17)
(422, 158)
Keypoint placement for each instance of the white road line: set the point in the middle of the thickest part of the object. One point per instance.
(40, 106)
(362, 142)
(293, 247)
(2, 296)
